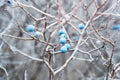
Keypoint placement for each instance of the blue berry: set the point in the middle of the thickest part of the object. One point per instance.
(9, 2)
(36, 34)
(81, 26)
(61, 32)
(77, 37)
(62, 36)
(116, 27)
(63, 49)
(30, 28)
(62, 40)
(67, 45)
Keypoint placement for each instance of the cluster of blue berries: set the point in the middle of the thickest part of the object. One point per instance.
(116, 27)
(31, 28)
(63, 41)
